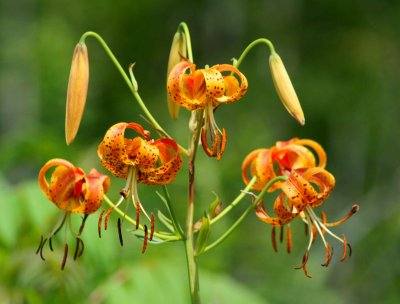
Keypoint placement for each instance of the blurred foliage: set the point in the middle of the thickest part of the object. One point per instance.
(343, 57)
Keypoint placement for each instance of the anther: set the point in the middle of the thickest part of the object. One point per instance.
(344, 255)
(99, 223)
(137, 205)
(281, 234)
(354, 209)
(124, 193)
(40, 244)
(303, 264)
(79, 248)
(273, 239)
(107, 216)
(328, 256)
(288, 240)
(145, 239)
(152, 227)
(64, 260)
(121, 241)
(51, 244)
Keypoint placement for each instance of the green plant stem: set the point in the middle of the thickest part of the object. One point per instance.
(131, 85)
(251, 45)
(245, 213)
(184, 28)
(189, 242)
(141, 227)
(235, 202)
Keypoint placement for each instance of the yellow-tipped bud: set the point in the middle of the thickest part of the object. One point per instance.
(284, 88)
(77, 91)
(176, 55)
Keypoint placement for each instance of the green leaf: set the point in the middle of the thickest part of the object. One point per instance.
(215, 207)
(204, 233)
(166, 221)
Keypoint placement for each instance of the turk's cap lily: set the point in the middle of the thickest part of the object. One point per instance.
(176, 55)
(285, 89)
(156, 161)
(205, 87)
(77, 91)
(70, 189)
(281, 159)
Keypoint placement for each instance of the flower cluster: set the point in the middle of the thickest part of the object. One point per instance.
(307, 186)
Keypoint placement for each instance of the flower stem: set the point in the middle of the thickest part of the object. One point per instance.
(189, 242)
(245, 213)
(132, 85)
(250, 46)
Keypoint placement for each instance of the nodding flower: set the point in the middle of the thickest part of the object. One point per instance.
(72, 191)
(307, 186)
(138, 160)
(207, 89)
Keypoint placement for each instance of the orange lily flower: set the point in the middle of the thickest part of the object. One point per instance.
(207, 89)
(139, 160)
(71, 190)
(307, 186)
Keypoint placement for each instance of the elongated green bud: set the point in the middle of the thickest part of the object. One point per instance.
(284, 88)
(77, 91)
(177, 54)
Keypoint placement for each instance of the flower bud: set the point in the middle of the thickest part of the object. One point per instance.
(176, 55)
(284, 88)
(77, 91)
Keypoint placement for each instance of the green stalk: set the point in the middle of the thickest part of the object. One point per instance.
(245, 213)
(250, 47)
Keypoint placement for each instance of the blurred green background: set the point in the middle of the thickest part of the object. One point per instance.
(343, 58)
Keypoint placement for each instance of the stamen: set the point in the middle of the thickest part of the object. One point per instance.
(82, 224)
(281, 234)
(79, 245)
(107, 216)
(64, 260)
(305, 228)
(51, 244)
(152, 227)
(350, 250)
(354, 209)
(204, 143)
(137, 205)
(222, 144)
(40, 244)
(344, 255)
(121, 241)
(303, 264)
(288, 240)
(323, 219)
(124, 193)
(99, 223)
(145, 239)
(328, 256)
(273, 239)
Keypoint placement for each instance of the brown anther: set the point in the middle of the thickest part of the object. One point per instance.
(354, 209)
(328, 255)
(83, 224)
(273, 239)
(344, 255)
(107, 216)
(99, 222)
(146, 238)
(303, 264)
(137, 206)
(350, 250)
(152, 227)
(51, 244)
(121, 241)
(222, 144)
(147, 134)
(204, 143)
(40, 244)
(64, 260)
(79, 248)
(281, 234)
(40, 248)
(288, 240)
(124, 193)
(215, 143)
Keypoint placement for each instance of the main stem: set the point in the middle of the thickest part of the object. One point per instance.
(189, 241)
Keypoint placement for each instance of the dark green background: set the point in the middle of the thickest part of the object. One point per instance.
(343, 58)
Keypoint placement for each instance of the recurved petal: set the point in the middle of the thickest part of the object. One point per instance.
(234, 88)
(64, 188)
(113, 151)
(170, 164)
(93, 189)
